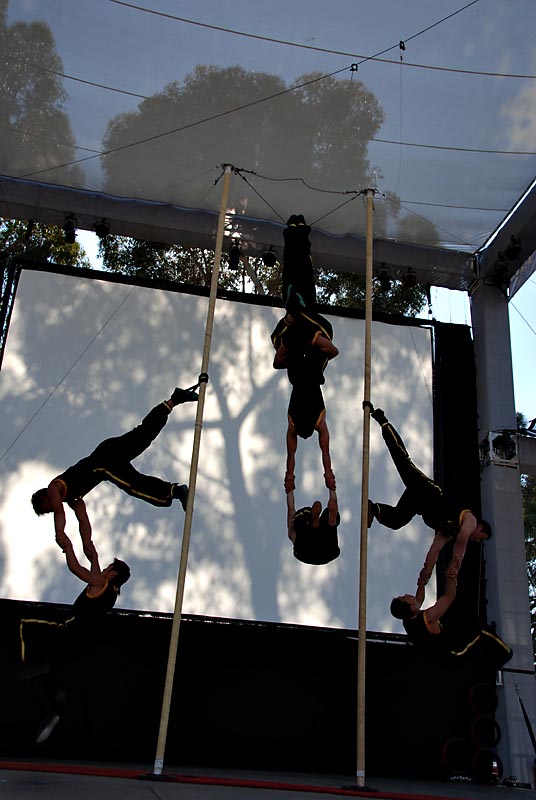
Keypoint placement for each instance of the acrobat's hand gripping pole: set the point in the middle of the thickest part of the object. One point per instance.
(203, 378)
(362, 627)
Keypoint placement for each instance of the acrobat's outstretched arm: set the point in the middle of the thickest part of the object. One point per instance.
(438, 542)
(84, 526)
(92, 576)
(292, 446)
(323, 441)
(291, 511)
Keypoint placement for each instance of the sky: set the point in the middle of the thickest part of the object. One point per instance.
(453, 306)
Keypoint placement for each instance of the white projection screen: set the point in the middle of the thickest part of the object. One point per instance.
(87, 358)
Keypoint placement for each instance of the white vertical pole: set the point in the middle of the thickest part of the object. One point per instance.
(174, 641)
(362, 626)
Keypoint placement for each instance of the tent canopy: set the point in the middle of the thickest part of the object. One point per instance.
(128, 111)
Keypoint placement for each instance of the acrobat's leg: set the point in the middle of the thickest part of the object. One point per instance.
(412, 477)
(298, 276)
(394, 517)
(152, 490)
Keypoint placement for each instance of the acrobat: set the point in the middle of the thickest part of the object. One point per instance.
(425, 631)
(425, 498)
(110, 461)
(47, 645)
(313, 531)
(303, 343)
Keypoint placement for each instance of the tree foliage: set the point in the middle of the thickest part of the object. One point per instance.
(528, 493)
(37, 132)
(191, 127)
(194, 266)
(46, 243)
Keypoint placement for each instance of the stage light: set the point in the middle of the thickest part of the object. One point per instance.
(101, 228)
(269, 257)
(234, 255)
(384, 277)
(409, 280)
(69, 228)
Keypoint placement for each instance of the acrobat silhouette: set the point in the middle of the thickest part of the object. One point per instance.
(110, 461)
(423, 497)
(303, 343)
(425, 631)
(47, 645)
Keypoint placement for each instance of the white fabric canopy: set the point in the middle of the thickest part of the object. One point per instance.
(137, 106)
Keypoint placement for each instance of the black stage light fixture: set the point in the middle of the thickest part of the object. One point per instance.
(409, 280)
(101, 228)
(269, 257)
(69, 228)
(234, 255)
(384, 276)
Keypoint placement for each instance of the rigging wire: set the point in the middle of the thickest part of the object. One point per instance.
(59, 383)
(429, 391)
(239, 108)
(522, 317)
(328, 51)
(264, 200)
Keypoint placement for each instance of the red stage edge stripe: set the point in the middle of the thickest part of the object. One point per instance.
(115, 772)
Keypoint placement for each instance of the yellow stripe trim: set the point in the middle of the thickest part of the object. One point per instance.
(121, 482)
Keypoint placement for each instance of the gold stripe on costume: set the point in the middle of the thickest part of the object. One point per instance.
(430, 631)
(317, 323)
(99, 593)
(467, 647)
(39, 622)
(462, 514)
(496, 639)
(60, 480)
(121, 482)
(320, 417)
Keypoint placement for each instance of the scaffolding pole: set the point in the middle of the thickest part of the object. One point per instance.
(362, 624)
(174, 641)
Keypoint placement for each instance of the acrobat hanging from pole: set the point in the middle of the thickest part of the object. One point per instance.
(450, 521)
(303, 341)
(111, 461)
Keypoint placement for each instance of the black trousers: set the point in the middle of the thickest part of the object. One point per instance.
(110, 461)
(421, 497)
(297, 264)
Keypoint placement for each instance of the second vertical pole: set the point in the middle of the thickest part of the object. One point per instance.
(362, 624)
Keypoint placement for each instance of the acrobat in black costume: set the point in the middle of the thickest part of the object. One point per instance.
(482, 640)
(111, 461)
(426, 631)
(303, 344)
(49, 647)
(451, 522)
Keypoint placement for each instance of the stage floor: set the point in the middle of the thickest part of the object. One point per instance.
(21, 780)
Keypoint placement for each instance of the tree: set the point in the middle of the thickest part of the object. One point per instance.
(45, 243)
(190, 127)
(191, 265)
(528, 490)
(528, 493)
(37, 132)
(300, 130)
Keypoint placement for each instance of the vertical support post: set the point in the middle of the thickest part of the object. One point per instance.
(506, 565)
(174, 641)
(362, 626)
